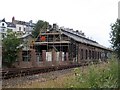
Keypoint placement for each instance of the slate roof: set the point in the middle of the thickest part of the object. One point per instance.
(9, 24)
(25, 35)
(79, 38)
(30, 24)
(25, 23)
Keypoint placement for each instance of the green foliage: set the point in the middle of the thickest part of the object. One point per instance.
(40, 26)
(97, 77)
(115, 37)
(10, 50)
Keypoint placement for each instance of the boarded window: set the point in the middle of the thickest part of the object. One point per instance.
(48, 56)
(58, 56)
(63, 56)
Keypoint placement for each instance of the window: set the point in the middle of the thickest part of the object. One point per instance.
(89, 54)
(39, 56)
(3, 30)
(2, 24)
(19, 28)
(81, 54)
(26, 55)
(92, 54)
(98, 55)
(95, 56)
(24, 29)
(3, 36)
(65, 56)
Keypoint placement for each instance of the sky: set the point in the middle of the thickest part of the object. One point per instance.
(93, 17)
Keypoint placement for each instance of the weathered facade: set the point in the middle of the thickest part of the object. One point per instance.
(60, 46)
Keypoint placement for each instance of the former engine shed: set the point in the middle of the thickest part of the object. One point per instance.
(61, 46)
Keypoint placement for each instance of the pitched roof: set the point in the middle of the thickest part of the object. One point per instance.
(10, 24)
(79, 38)
(24, 23)
(25, 35)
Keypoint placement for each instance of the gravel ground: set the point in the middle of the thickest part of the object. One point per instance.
(19, 81)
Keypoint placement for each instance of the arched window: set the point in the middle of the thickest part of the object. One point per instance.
(89, 54)
(92, 54)
(81, 54)
(98, 55)
(86, 54)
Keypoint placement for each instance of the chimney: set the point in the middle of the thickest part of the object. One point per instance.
(30, 21)
(54, 26)
(13, 19)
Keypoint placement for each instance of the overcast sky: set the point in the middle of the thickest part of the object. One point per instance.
(93, 17)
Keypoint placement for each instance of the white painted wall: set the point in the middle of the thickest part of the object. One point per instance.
(27, 29)
(22, 27)
(3, 27)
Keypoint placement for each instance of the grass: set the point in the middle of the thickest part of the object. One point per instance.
(104, 75)
(97, 76)
(59, 82)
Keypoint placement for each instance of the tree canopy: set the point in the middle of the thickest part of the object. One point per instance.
(10, 50)
(40, 26)
(115, 37)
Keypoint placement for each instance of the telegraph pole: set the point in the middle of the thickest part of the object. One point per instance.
(0, 48)
(0, 58)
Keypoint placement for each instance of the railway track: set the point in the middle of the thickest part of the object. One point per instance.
(19, 72)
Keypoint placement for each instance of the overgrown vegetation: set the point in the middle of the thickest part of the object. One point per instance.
(10, 48)
(97, 77)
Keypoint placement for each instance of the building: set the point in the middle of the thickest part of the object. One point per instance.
(61, 46)
(20, 27)
(3, 28)
(23, 27)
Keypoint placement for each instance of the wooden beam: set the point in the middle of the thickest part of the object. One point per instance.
(56, 42)
(50, 33)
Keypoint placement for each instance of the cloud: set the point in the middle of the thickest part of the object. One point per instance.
(91, 16)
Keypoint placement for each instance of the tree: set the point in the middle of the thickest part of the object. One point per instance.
(10, 50)
(115, 37)
(40, 26)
